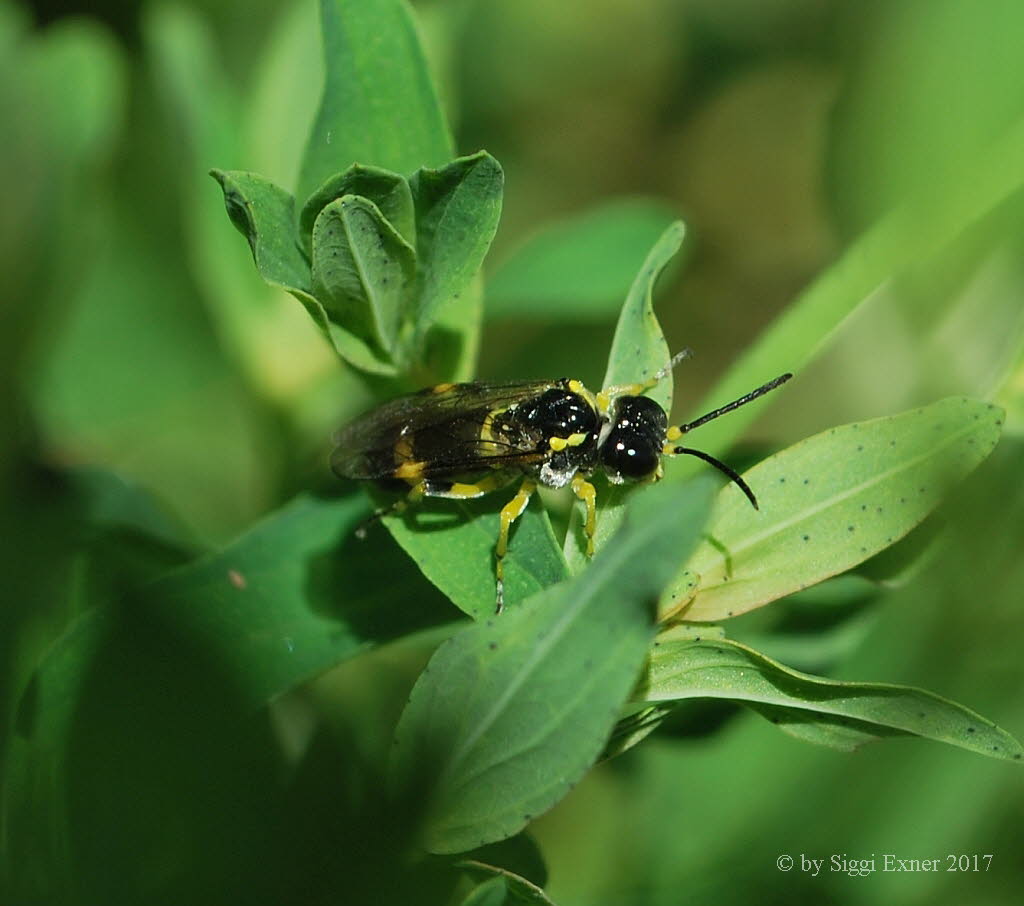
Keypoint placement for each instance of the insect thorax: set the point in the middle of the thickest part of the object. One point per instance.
(560, 425)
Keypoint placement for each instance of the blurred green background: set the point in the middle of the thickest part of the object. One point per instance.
(157, 397)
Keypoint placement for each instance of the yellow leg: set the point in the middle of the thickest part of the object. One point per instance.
(510, 512)
(584, 490)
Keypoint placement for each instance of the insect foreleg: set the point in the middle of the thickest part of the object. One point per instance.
(585, 491)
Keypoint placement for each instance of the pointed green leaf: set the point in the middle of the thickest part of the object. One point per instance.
(581, 268)
(379, 104)
(363, 271)
(387, 190)
(265, 215)
(453, 543)
(457, 211)
(638, 352)
(833, 500)
(840, 714)
(511, 712)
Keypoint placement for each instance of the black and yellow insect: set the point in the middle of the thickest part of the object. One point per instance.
(466, 440)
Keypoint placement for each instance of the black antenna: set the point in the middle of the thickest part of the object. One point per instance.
(735, 404)
(722, 467)
(731, 474)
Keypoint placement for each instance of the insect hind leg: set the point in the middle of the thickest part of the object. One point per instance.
(510, 512)
(416, 493)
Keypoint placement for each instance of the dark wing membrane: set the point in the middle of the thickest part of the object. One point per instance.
(438, 427)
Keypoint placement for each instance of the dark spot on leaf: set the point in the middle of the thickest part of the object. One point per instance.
(782, 481)
(807, 537)
(860, 447)
(807, 481)
(863, 506)
(849, 528)
(903, 500)
(970, 729)
(892, 443)
(493, 646)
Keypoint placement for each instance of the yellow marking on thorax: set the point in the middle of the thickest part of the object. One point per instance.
(560, 443)
(673, 433)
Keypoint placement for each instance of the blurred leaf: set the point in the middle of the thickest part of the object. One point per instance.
(450, 348)
(212, 641)
(379, 105)
(511, 712)
(281, 353)
(916, 231)
(833, 500)
(638, 352)
(457, 211)
(944, 75)
(291, 597)
(362, 271)
(579, 268)
(840, 714)
(453, 541)
(280, 108)
(387, 190)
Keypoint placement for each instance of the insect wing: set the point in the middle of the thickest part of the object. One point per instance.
(437, 429)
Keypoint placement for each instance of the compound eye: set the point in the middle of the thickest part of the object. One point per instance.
(631, 454)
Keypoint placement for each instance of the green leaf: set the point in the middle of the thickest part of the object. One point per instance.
(841, 714)
(379, 104)
(457, 211)
(833, 500)
(363, 271)
(265, 215)
(387, 190)
(511, 712)
(578, 269)
(911, 233)
(638, 352)
(453, 543)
